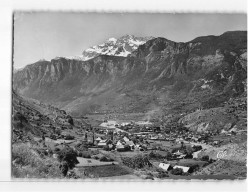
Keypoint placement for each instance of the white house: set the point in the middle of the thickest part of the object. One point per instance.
(124, 124)
(185, 169)
(98, 139)
(131, 144)
(120, 147)
(126, 139)
(178, 153)
(164, 166)
(103, 143)
(154, 137)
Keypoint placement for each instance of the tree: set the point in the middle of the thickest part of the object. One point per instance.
(182, 145)
(68, 158)
(127, 147)
(169, 156)
(106, 148)
(70, 120)
(177, 171)
(69, 137)
(189, 152)
(197, 148)
(135, 141)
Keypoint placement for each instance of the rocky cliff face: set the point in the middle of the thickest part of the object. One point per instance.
(204, 73)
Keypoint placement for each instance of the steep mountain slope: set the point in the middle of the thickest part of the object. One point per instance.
(232, 116)
(31, 118)
(158, 75)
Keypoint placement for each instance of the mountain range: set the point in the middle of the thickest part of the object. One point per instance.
(148, 75)
(122, 46)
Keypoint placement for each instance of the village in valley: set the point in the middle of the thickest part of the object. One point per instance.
(106, 148)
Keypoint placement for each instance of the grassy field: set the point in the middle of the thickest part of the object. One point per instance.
(118, 155)
(106, 170)
(85, 162)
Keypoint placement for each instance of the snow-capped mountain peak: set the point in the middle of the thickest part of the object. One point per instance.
(115, 47)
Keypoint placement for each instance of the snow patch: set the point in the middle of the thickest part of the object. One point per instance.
(112, 40)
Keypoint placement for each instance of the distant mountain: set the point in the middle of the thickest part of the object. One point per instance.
(158, 75)
(122, 46)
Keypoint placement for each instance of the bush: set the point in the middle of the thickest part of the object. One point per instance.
(57, 131)
(52, 136)
(43, 152)
(185, 174)
(205, 158)
(194, 168)
(86, 154)
(104, 159)
(110, 159)
(188, 156)
(19, 117)
(94, 152)
(211, 160)
(69, 137)
(162, 174)
(56, 149)
(72, 175)
(177, 171)
(96, 157)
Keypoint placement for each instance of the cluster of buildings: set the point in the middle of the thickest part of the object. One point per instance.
(120, 145)
(121, 136)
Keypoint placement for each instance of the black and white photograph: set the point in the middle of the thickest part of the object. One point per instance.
(129, 96)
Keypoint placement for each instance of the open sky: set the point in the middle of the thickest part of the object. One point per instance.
(46, 35)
